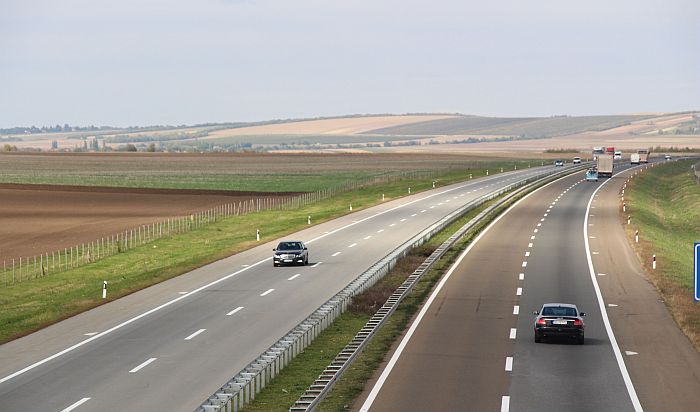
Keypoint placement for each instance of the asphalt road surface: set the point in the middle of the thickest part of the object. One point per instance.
(472, 346)
(172, 345)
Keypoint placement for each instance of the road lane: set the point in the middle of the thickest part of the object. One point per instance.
(480, 321)
(663, 364)
(186, 371)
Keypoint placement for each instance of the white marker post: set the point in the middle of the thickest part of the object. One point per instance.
(104, 289)
(653, 262)
(470, 175)
(629, 219)
(409, 190)
(308, 220)
(487, 172)
(433, 184)
(636, 236)
(350, 206)
(624, 207)
(501, 170)
(382, 197)
(257, 234)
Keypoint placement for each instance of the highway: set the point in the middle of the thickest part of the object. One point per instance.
(172, 345)
(472, 346)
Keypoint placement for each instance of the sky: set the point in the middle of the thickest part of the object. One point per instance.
(145, 62)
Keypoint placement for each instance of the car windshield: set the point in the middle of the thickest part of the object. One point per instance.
(289, 246)
(558, 311)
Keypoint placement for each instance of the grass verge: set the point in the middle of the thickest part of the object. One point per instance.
(303, 370)
(31, 305)
(664, 205)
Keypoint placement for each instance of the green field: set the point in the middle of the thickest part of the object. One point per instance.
(240, 172)
(664, 203)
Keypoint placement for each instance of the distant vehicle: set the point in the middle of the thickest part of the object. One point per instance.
(577, 160)
(667, 157)
(634, 159)
(597, 151)
(643, 155)
(618, 155)
(558, 163)
(290, 252)
(605, 165)
(559, 320)
(591, 175)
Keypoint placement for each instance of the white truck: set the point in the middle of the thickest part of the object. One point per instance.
(634, 159)
(605, 165)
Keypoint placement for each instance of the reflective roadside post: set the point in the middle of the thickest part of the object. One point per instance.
(696, 249)
(104, 289)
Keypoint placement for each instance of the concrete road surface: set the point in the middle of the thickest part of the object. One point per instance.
(172, 345)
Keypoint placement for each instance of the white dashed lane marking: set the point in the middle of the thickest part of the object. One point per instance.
(519, 292)
(366, 237)
(194, 334)
(521, 276)
(295, 276)
(336, 254)
(143, 365)
(513, 332)
(238, 309)
(316, 264)
(516, 310)
(267, 292)
(353, 245)
(75, 405)
(509, 364)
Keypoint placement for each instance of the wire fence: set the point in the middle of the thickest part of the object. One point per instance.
(33, 267)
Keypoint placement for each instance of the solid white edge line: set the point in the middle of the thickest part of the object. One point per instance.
(397, 354)
(234, 311)
(75, 405)
(143, 365)
(195, 334)
(222, 279)
(267, 292)
(505, 403)
(616, 349)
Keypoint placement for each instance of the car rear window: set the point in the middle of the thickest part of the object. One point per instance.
(289, 246)
(558, 311)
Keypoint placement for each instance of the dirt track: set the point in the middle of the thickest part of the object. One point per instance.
(35, 220)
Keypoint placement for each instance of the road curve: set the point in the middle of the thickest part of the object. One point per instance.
(170, 346)
(472, 347)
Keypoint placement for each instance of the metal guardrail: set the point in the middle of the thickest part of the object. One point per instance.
(243, 387)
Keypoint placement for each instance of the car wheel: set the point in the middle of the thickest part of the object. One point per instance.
(580, 340)
(274, 264)
(306, 261)
(538, 338)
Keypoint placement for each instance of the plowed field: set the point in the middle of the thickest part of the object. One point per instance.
(39, 219)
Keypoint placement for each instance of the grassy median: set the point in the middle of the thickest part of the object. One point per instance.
(664, 202)
(36, 303)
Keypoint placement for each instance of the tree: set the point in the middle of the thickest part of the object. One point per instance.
(131, 148)
(151, 148)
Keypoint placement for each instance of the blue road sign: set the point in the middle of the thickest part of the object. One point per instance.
(696, 248)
